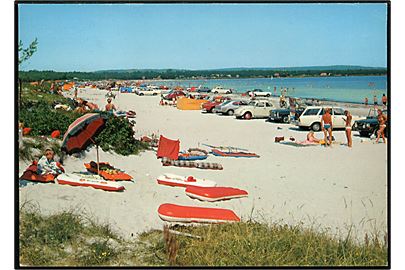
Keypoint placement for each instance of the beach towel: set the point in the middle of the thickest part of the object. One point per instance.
(107, 171)
(30, 174)
(168, 148)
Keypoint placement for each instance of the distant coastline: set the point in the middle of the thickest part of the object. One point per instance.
(183, 74)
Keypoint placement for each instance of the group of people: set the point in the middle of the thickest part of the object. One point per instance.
(384, 100)
(327, 126)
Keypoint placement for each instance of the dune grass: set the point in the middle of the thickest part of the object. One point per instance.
(70, 239)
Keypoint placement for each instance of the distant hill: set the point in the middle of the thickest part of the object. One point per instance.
(330, 68)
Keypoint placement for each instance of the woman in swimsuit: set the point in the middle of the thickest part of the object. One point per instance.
(382, 120)
(348, 128)
(326, 124)
(311, 137)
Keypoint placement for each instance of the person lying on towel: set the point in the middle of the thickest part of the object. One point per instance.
(47, 165)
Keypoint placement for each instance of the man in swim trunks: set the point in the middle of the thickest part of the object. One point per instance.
(382, 120)
(326, 124)
(348, 127)
(375, 100)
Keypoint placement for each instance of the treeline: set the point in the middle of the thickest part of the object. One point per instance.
(35, 75)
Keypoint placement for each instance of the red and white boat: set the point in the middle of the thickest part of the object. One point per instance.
(183, 181)
(78, 180)
(178, 213)
(212, 194)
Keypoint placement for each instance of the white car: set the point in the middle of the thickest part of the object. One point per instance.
(312, 115)
(148, 92)
(254, 109)
(259, 93)
(221, 90)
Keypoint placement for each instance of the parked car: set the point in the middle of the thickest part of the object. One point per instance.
(203, 90)
(259, 93)
(312, 115)
(148, 91)
(369, 126)
(221, 90)
(209, 106)
(255, 109)
(230, 106)
(283, 115)
(173, 94)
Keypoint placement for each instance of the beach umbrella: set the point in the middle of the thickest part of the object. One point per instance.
(81, 133)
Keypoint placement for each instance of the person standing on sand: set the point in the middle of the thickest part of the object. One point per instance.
(375, 100)
(384, 100)
(76, 92)
(366, 101)
(326, 124)
(382, 120)
(348, 127)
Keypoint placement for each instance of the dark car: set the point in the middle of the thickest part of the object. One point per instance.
(203, 90)
(369, 126)
(283, 115)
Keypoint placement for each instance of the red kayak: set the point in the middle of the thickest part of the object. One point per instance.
(212, 194)
(178, 213)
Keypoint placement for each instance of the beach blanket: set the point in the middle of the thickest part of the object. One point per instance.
(30, 174)
(191, 164)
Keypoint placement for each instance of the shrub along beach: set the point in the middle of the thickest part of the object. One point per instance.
(299, 203)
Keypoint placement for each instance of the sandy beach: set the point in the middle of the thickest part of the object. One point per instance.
(333, 188)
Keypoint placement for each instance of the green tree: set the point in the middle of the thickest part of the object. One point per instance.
(25, 54)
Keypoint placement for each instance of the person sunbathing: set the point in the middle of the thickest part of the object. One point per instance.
(47, 164)
(311, 137)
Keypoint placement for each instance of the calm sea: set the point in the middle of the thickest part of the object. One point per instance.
(348, 89)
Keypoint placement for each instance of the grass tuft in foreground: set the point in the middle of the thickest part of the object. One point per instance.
(70, 239)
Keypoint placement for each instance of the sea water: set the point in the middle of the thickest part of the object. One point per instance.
(344, 88)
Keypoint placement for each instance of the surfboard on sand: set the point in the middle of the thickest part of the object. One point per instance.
(212, 194)
(178, 213)
(77, 180)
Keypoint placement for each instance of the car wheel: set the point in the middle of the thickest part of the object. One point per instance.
(216, 92)
(154, 94)
(230, 112)
(365, 134)
(285, 119)
(141, 94)
(316, 127)
(209, 111)
(247, 116)
(228, 92)
(268, 95)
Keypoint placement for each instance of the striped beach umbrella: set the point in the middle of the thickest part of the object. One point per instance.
(81, 132)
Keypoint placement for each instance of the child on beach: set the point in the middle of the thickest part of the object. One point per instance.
(47, 165)
(326, 124)
(348, 128)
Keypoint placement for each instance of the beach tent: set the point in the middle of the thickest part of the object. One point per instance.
(68, 86)
(168, 148)
(190, 103)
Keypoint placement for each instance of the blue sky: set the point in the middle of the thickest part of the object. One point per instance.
(96, 37)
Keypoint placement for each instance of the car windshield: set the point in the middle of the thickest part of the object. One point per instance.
(252, 103)
(225, 102)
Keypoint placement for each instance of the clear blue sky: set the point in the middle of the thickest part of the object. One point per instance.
(95, 37)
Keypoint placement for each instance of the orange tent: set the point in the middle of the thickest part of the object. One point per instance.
(68, 86)
(190, 103)
(168, 148)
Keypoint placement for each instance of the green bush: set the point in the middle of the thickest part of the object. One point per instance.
(43, 119)
(118, 136)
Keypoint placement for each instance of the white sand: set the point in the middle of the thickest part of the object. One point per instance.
(333, 188)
